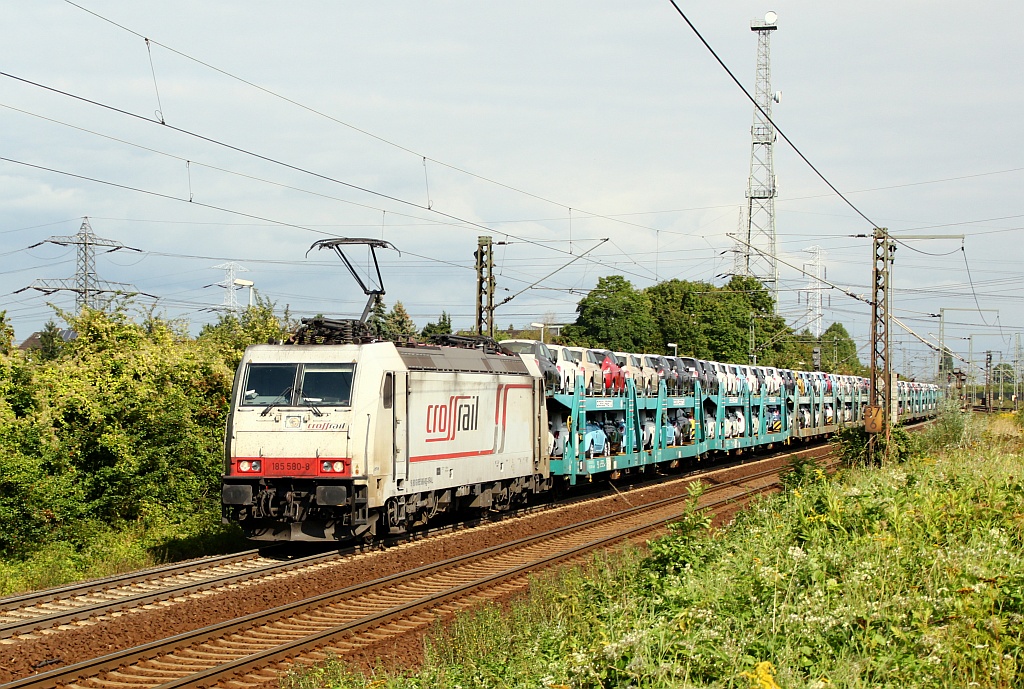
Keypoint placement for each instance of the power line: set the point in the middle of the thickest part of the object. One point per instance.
(421, 156)
(217, 168)
(768, 117)
(265, 158)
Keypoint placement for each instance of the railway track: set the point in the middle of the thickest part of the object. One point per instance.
(31, 612)
(251, 650)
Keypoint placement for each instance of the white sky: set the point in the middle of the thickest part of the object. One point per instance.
(611, 109)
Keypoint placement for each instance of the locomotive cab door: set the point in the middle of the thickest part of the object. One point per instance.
(399, 391)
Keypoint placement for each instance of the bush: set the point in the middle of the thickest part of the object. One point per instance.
(802, 470)
(852, 444)
(35, 504)
(139, 412)
(119, 432)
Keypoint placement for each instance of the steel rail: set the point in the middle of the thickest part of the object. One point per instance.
(136, 600)
(106, 583)
(111, 662)
(315, 641)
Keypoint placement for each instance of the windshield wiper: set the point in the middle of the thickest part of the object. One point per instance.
(310, 402)
(276, 401)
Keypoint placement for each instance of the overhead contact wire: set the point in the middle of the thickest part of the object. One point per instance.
(343, 123)
(971, 281)
(274, 161)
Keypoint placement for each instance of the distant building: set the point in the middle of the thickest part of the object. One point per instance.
(33, 340)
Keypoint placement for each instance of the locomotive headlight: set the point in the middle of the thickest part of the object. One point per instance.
(326, 466)
(339, 466)
(244, 465)
(255, 465)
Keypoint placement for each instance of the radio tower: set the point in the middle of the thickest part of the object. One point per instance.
(758, 259)
(86, 285)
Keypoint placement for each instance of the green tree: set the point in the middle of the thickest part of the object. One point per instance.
(398, 324)
(442, 327)
(802, 349)
(839, 351)
(378, 318)
(6, 334)
(614, 315)
(710, 322)
(51, 342)
(679, 307)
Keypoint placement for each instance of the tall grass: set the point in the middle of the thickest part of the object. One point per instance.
(953, 428)
(910, 575)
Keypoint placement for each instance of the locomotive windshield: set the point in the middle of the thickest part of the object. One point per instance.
(298, 385)
(267, 384)
(326, 384)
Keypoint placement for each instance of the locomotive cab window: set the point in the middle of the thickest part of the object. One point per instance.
(326, 384)
(267, 384)
(389, 390)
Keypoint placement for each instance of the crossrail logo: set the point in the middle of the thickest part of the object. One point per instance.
(445, 421)
(326, 426)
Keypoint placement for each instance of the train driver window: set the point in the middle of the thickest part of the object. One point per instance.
(269, 384)
(388, 394)
(326, 384)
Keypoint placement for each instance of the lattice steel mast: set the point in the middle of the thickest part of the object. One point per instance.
(230, 283)
(758, 259)
(815, 272)
(86, 285)
(878, 416)
(484, 254)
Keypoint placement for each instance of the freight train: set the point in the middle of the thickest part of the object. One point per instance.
(338, 437)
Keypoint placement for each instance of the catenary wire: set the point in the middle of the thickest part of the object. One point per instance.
(424, 158)
(768, 117)
(275, 161)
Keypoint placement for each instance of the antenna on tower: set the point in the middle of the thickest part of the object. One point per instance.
(86, 285)
(758, 258)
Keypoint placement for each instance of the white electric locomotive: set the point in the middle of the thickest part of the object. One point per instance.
(355, 440)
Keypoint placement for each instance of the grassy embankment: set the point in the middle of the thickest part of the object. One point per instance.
(100, 550)
(911, 575)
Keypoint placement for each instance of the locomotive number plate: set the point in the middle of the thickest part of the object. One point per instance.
(291, 466)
